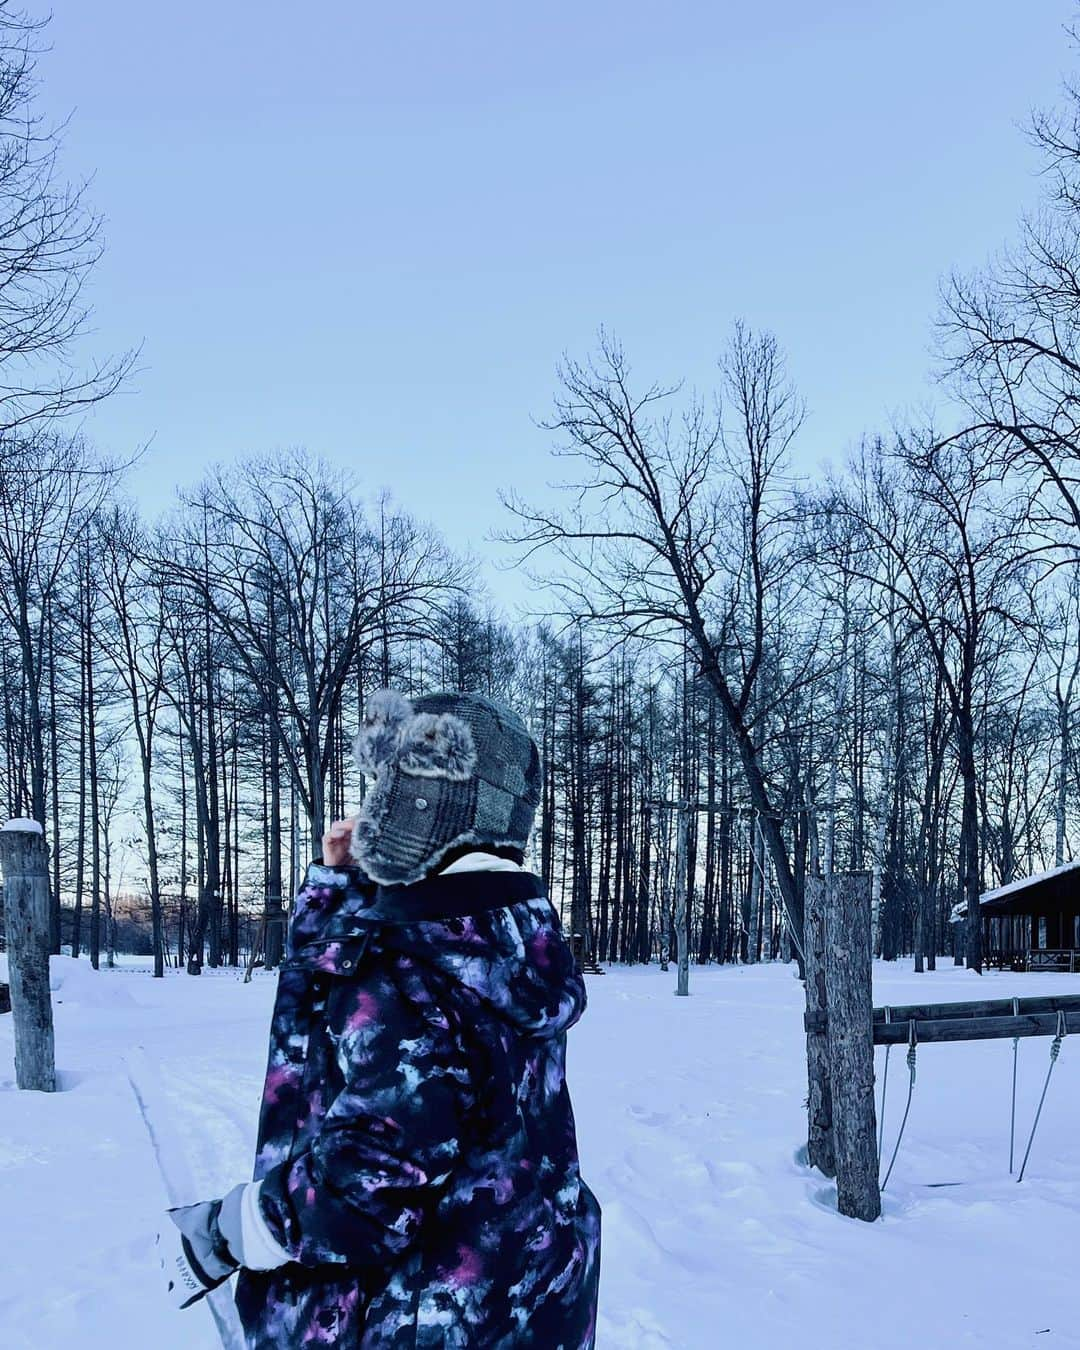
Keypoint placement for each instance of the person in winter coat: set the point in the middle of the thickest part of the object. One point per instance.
(416, 1182)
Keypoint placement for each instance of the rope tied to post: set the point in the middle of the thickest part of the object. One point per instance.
(1055, 1051)
(912, 1057)
(884, 1086)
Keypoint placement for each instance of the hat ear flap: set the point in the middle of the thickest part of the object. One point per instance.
(387, 712)
(438, 746)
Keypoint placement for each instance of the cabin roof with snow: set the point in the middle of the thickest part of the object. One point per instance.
(1054, 892)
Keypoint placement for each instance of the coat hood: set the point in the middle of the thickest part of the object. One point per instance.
(513, 959)
(497, 939)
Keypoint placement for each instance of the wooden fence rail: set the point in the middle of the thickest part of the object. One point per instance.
(975, 1028)
(998, 1007)
(981, 1020)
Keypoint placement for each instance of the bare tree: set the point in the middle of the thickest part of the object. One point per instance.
(133, 641)
(1010, 340)
(938, 538)
(194, 655)
(302, 585)
(50, 489)
(678, 532)
(49, 243)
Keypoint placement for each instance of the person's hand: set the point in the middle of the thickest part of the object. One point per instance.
(335, 843)
(195, 1256)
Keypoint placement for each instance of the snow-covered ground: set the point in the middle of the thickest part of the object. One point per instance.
(690, 1117)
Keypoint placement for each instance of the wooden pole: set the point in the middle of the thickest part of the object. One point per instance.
(819, 1146)
(24, 862)
(850, 1039)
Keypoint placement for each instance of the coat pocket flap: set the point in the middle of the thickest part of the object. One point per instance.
(331, 956)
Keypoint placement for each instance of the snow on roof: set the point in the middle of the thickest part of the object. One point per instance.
(1022, 883)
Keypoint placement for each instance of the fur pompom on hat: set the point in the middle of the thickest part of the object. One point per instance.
(387, 712)
(451, 770)
(437, 745)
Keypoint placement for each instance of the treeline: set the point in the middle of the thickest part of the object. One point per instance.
(177, 703)
(749, 673)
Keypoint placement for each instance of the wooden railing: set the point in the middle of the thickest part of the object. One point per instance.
(1054, 958)
(1034, 958)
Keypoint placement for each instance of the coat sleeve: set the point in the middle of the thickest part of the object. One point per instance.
(358, 1193)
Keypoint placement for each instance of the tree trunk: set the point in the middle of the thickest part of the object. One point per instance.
(275, 907)
(80, 829)
(682, 934)
(969, 840)
(707, 945)
(1062, 787)
(664, 890)
(146, 762)
(54, 785)
(95, 795)
(757, 894)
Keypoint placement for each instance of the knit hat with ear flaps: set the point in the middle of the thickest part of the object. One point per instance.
(450, 770)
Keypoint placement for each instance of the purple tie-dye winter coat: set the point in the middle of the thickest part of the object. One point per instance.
(417, 1144)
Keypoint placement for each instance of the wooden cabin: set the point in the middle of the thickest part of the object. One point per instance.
(1034, 923)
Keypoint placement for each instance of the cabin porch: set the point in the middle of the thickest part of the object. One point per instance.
(1034, 924)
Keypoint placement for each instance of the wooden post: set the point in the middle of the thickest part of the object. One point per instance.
(848, 972)
(24, 862)
(819, 1148)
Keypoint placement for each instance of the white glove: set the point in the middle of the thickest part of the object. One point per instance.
(214, 1238)
(195, 1256)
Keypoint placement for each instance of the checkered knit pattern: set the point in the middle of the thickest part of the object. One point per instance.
(451, 770)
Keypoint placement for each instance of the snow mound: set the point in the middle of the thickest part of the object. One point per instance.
(77, 982)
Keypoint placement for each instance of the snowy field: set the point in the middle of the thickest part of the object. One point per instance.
(690, 1116)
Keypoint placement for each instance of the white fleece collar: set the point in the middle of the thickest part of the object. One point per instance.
(482, 862)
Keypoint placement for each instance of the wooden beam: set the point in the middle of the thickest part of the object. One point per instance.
(975, 1028)
(816, 1023)
(998, 1007)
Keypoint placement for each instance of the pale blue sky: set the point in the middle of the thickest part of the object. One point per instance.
(373, 230)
